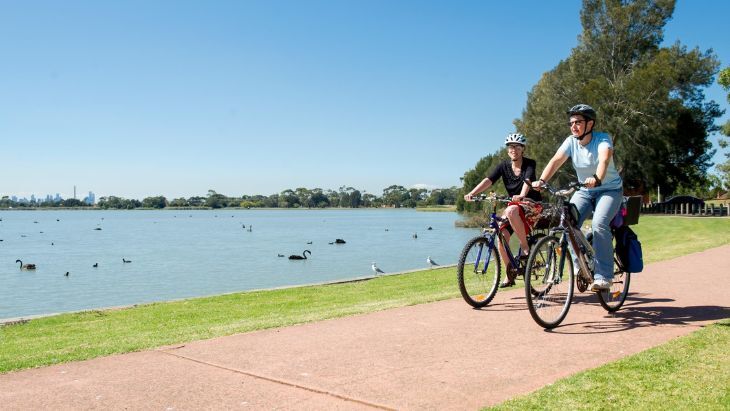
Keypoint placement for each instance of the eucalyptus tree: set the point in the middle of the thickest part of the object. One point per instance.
(215, 200)
(289, 199)
(369, 200)
(196, 201)
(395, 195)
(649, 98)
(475, 176)
(724, 168)
(318, 199)
(178, 202)
(154, 202)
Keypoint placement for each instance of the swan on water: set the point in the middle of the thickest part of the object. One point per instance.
(300, 257)
(25, 266)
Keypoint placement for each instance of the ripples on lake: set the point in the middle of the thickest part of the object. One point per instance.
(179, 254)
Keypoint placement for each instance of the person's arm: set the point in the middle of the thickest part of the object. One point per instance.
(604, 157)
(552, 166)
(485, 184)
(523, 193)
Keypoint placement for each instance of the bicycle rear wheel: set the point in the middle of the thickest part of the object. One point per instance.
(548, 283)
(478, 272)
(614, 298)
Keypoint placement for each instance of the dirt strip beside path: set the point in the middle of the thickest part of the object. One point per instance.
(442, 355)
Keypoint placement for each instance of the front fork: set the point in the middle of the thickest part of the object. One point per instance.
(567, 241)
(490, 247)
(569, 238)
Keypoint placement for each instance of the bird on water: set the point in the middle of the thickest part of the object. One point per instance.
(300, 257)
(25, 266)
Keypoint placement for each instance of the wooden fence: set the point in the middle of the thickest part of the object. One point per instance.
(718, 210)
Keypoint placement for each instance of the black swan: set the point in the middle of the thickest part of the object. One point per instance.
(300, 257)
(95, 265)
(126, 261)
(25, 266)
(340, 241)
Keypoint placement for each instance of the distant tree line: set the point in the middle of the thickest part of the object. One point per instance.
(346, 197)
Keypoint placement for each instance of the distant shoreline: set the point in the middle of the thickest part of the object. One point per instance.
(425, 209)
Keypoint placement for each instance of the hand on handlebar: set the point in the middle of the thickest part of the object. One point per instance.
(517, 198)
(538, 185)
(590, 182)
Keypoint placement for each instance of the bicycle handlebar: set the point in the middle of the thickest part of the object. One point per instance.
(497, 198)
(562, 192)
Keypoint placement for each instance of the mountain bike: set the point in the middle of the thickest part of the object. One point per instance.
(550, 267)
(479, 269)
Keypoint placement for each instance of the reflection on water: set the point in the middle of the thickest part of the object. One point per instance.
(178, 254)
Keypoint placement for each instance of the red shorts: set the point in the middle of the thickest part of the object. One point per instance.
(530, 213)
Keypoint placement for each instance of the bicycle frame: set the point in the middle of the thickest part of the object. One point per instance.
(495, 234)
(571, 237)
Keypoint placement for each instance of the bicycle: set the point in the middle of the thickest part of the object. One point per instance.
(549, 258)
(479, 268)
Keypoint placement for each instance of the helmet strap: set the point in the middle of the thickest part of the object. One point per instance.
(588, 131)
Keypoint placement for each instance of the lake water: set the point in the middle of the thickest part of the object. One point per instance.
(180, 253)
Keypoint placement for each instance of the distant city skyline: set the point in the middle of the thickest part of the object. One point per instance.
(89, 199)
(145, 98)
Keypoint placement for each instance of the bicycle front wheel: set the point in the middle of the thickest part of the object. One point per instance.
(478, 272)
(549, 282)
(614, 298)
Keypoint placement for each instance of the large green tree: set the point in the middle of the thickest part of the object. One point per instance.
(475, 176)
(724, 168)
(649, 98)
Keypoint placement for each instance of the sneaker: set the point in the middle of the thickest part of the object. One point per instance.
(601, 285)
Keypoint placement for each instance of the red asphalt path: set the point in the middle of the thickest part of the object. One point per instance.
(438, 356)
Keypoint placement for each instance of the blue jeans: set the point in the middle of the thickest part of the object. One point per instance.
(605, 205)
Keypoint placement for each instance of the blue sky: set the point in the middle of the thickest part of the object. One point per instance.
(140, 98)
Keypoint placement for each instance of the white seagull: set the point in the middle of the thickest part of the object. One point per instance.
(376, 269)
(430, 261)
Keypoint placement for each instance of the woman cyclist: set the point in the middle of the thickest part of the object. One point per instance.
(592, 155)
(521, 214)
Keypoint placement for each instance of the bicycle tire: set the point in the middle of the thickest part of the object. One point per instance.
(548, 289)
(534, 238)
(478, 288)
(613, 299)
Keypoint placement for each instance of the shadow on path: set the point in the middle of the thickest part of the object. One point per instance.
(636, 313)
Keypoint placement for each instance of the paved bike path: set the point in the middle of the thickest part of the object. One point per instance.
(441, 355)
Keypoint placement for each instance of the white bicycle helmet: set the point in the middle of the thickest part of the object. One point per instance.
(515, 138)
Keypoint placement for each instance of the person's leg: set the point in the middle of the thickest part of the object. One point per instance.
(584, 202)
(503, 250)
(508, 278)
(515, 221)
(607, 205)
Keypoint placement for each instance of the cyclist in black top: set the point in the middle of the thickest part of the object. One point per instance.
(522, 215)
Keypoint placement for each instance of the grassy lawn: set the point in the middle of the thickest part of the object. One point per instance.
(71, 337)
(689, 373)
